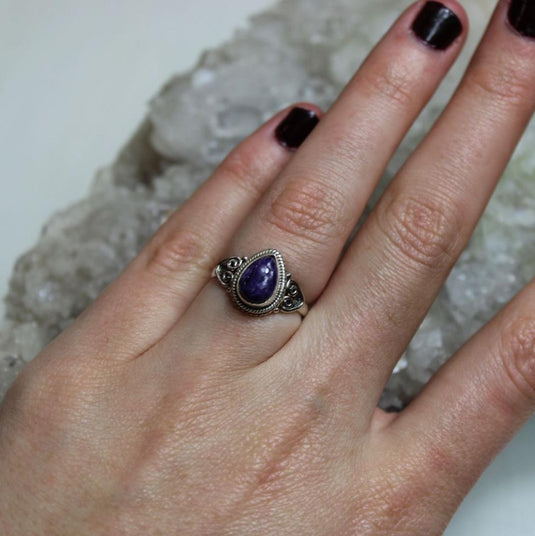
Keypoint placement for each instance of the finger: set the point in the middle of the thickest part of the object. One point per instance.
(141, 305)
(473, 405)
(402, 255)
(312, 207)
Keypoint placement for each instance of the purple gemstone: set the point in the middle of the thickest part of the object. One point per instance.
(259, 280)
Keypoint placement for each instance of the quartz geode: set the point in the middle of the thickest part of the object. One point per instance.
(301, 50)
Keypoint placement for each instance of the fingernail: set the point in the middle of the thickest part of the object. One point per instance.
(521, 15)
(437, 26)
(295, 127)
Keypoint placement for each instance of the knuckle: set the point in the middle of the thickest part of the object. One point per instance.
(517, 355)
(437, 459)
(179, 251)
(391, 502)
(424, 231)
(36, 396)
(392, 82)
(19, 398)
(402, 491)
(240, 169)
(308, 209)
(508, 84)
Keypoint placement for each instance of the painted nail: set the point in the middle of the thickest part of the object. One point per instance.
(522, 16)
(295, 127)
(437, 26)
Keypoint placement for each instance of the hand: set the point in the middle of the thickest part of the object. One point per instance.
(166, 410)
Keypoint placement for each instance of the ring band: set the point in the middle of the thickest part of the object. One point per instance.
(260, 285)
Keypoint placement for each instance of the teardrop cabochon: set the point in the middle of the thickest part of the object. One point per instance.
(261, 277)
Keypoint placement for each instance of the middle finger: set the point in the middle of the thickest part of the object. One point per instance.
(312, 207)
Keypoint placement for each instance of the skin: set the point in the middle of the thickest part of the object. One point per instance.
(165, 410)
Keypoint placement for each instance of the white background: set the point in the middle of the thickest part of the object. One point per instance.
(74, 81)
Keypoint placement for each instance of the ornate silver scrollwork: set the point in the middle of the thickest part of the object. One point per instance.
(293, 297)
(226, 269)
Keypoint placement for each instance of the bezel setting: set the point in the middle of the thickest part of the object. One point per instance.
(278, 293)
(286, 296)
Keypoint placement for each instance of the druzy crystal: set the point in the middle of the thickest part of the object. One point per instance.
(259, 280)
(301, 50)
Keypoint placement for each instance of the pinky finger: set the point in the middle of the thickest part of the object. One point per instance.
(148, 298)
(473, 405)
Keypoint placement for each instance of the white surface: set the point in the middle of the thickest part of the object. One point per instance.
(74, 80)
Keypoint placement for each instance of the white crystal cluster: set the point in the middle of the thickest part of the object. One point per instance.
(301, 50)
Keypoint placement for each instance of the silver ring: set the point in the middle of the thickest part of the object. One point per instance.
(260, 285)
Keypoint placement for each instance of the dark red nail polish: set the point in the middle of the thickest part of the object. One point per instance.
(521, 15)
(295, 127)
(437, 26)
